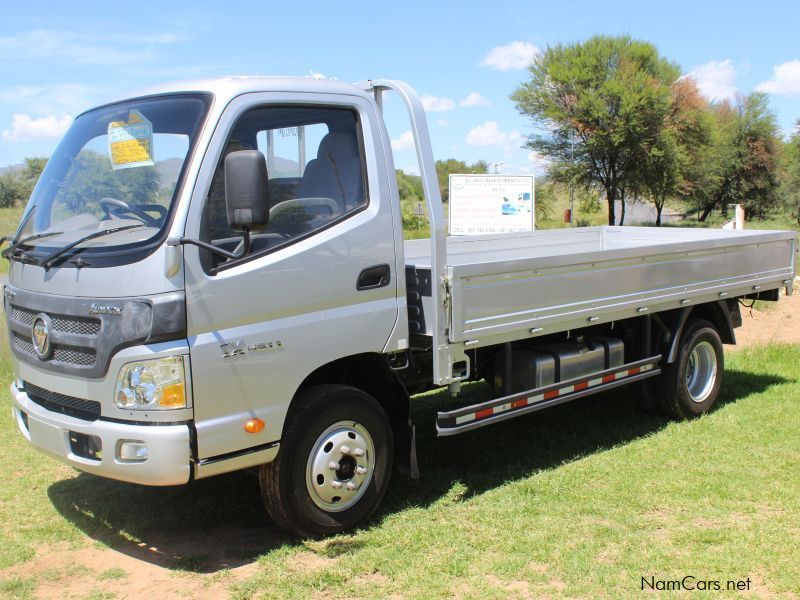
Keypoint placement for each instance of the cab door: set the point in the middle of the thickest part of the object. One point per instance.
(321, 281)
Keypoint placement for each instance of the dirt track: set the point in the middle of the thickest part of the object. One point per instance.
(778, 323)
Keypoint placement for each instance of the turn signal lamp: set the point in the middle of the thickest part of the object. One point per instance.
(254, 426)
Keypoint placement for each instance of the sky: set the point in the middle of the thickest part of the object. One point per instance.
(464, 59)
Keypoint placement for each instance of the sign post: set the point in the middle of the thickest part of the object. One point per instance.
(485, 204)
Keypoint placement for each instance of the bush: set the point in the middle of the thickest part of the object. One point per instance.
(410, 218)
(12, 191)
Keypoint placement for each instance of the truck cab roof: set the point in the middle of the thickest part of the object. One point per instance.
(224, 89)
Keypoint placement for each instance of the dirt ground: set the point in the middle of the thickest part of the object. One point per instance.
(73, 573)
(777, 323)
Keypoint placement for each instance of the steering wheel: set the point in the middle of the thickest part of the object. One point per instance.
(305, 203)
(114, 208)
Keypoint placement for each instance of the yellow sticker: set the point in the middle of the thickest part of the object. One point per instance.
(130, 143)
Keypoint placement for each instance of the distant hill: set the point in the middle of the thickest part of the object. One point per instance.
(168, 171)
(11, 169)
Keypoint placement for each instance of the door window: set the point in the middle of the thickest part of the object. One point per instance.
(315, 170)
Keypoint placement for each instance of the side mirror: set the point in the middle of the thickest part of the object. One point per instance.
(246, 190)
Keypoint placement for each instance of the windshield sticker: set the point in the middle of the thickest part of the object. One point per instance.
(130, 144)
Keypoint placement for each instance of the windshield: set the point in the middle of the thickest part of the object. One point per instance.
(117, 165)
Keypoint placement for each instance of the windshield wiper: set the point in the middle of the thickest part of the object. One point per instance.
(31, 238)
(50, 258)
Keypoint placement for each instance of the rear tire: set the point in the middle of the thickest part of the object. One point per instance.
(690, 386)
(334, 464)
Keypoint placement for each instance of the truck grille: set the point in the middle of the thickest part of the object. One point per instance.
(65, 323)
(61, 353)
(87, 410)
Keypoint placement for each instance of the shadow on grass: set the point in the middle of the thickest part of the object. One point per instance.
(219, 523)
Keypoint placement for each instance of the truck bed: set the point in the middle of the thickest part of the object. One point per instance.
(510, 286)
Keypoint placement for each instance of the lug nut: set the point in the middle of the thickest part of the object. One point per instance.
(358, 452)
(351, 486)
(344, 449)
(361, 470)
(336, 484)
(333, 465)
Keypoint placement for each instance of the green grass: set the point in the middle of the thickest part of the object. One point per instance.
(9, 219)
(579, 501)
(582, 500)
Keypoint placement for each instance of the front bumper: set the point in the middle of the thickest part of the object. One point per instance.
(74, 441)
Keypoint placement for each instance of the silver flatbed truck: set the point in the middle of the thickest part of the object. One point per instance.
(212, 277)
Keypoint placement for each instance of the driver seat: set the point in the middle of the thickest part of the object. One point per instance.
(335, 173)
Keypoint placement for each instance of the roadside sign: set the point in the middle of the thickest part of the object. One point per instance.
(483, 204)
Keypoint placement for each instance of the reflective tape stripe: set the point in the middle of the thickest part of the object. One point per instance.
(550, 395)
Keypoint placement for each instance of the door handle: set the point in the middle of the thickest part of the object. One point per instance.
(374, 277)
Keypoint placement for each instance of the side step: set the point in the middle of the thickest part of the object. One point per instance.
(508, 407)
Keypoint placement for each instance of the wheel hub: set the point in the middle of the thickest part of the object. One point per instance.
(340, 466)
(701, 372)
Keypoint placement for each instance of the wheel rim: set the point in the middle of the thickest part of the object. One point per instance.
(340, 466)
(701, 372)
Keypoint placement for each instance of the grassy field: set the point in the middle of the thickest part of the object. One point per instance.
(583, 500)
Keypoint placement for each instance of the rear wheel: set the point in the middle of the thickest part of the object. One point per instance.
(334, 464)
(690, 385)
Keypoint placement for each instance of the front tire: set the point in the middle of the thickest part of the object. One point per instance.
(691, 384)
(334, 464)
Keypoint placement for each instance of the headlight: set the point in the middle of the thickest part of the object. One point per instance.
(152, 385)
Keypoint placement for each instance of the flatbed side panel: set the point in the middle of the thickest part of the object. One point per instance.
(609, 285)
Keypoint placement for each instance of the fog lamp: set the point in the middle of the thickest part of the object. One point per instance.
(132, 451)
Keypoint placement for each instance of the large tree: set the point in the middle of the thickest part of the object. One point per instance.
(669, 168)
(444, 168)
(741, 165)
(790, 181)
(601, 103)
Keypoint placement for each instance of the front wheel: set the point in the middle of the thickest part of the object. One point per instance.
(334, 464)
(691, 384)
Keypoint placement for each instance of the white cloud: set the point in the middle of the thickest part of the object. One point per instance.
(410, 170)
(489, 134)
(316, 75)
(404, 142)
(515, 56)
(716, 79)
(441, 122)
(66, 98)
(785, 80)
(437, 104)
(24, 128)
(85, 48)
(474, 99)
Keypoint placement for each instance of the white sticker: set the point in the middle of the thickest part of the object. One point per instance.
(130, 143)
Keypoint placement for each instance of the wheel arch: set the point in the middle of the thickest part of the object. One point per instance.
(371, 373)
(723, 314)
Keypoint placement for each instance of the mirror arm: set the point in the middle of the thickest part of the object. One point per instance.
(219, 251)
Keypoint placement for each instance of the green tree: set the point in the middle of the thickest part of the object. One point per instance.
(16, 186)
(608, 95)
(790, 180)
(94, 179)
(668, 169)
(742, 164)
(33, 168)
(12, 190)
(451, 166)
(409, 186)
